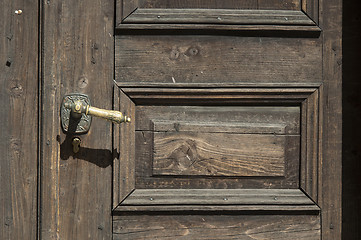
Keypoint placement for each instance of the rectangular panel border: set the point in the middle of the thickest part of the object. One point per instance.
(217, 200)
(130, 15)
(308, 100)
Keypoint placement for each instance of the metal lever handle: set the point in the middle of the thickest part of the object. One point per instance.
(76, 114)
(79, 107)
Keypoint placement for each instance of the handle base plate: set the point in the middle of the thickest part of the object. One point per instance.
(69, 123)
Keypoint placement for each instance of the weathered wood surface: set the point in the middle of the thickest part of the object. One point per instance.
(77, 57)
(219, 127)
(311, 8)
(218, 149)
(154, 67)
(228, 60)
(217, 94)
(18, 119)
(217, 197)
(309, 146)
(152, 122)
(123, 149)
(125, 8)
(208, 95)
(245, 227)
(213, 16)
(218, 154)
(330, 165)
(145, 177)
(128, 10)
(247, 119)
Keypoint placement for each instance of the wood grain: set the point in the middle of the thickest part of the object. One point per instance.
(78, 57)
(18, 119)
(129, 11)
(125, 8)
(224, 118)
(117, 192)
(206, 226)
(161, 122)
(217, 197)
(146, 179)
(311, 8)
(255, 119)
(124, 149)
(215, 16)
(219, 127)
(218, 154)
(216, 59)
(217, 95)
(330, 165)
(309, 148)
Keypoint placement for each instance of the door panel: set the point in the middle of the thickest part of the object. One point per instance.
(218, 141)
(213, 133)
(221, 150)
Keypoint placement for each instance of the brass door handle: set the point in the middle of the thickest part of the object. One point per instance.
(76, 113)
(78, 107)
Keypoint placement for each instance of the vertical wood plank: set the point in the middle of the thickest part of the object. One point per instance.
(331, 164)
(309, 148)
(124, 146)
(18, 119)
(310, 7)
(116, 152)
(77, 57)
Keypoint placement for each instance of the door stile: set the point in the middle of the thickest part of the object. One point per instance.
(77, 56)
(331, 120)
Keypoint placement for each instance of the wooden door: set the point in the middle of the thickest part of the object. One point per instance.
(236, 120)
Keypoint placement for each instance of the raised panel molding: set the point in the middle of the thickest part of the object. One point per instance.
(140, 199)
(217, 200)
(123, 149)
(131, 14)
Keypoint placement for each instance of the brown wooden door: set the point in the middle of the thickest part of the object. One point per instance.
(236, 115)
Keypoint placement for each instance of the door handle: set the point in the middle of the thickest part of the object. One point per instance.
(76, 112)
